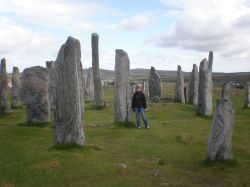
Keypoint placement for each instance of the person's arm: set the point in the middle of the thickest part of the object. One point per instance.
(144, 102)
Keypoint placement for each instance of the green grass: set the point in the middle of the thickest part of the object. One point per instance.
(171, 153)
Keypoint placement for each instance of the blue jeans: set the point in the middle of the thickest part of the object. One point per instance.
(138, 112)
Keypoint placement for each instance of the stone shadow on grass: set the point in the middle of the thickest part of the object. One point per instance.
(220, 164)
(205, 117)
(94, 107)
(127, 124)
(18, 107)
(32, 124)
(73, 147)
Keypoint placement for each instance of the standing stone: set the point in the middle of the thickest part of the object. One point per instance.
(133, 89)
(155, 99)
(34, 93)
(226, 91)
(247, 101)
(82, 90)
(65, 95)
(15, 87)
(179, 87)
(122, 89)
(4, 102)
(90, 90)
(145, 88)
(49, 64)
(205, 89)
(185, 94)
(99, 101)
(154, 84)
(193, 86)
(80, 75)
(83, 85)
(161, 89)
(220, 140)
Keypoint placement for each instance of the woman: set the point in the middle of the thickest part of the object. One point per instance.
(139, 106)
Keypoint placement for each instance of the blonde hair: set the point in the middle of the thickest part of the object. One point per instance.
(139, 86)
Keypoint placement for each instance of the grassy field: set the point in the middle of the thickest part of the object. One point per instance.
(170, 153)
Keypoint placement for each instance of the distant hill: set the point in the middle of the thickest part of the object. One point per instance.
(166, 75)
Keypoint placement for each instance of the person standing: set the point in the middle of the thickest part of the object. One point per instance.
(139, 106)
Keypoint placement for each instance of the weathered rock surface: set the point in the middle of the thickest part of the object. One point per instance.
(90, 90)
(65, 94)
(247, 100)
(220, 140)
(122, 89)
(205, 87)
(34, 93)
(15, 87)
(179, 88)
(154, 83)
(99, 101)
(4, 102)
(193, 86)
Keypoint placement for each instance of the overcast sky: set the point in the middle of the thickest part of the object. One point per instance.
(160, 33)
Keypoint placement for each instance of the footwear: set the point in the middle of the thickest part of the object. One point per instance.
(147, 127)
(138, 127)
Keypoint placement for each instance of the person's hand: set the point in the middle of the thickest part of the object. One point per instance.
(146, 109)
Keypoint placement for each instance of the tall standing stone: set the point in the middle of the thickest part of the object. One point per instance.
(49, 64)
(15, 87)
(83, 85)
(145, 88)
(193, 86)
(4, 102)
(90, 90)
(154, 84)
(185, 94)
(205, 89)
(34, 93)
(179, 87)
(220, 140)
(122, 89)
(133, 89)
(65, 95)
(226, 91)
(247, 101)
(99, 101)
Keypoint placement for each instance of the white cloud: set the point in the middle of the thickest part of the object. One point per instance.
(222, 26)
(32, 32)
(58, 14)
(137, 22)
(204, 26)
(20, 44)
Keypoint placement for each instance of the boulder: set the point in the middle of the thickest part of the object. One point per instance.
(34, 93)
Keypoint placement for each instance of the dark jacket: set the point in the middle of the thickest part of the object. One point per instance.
(139, 100)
